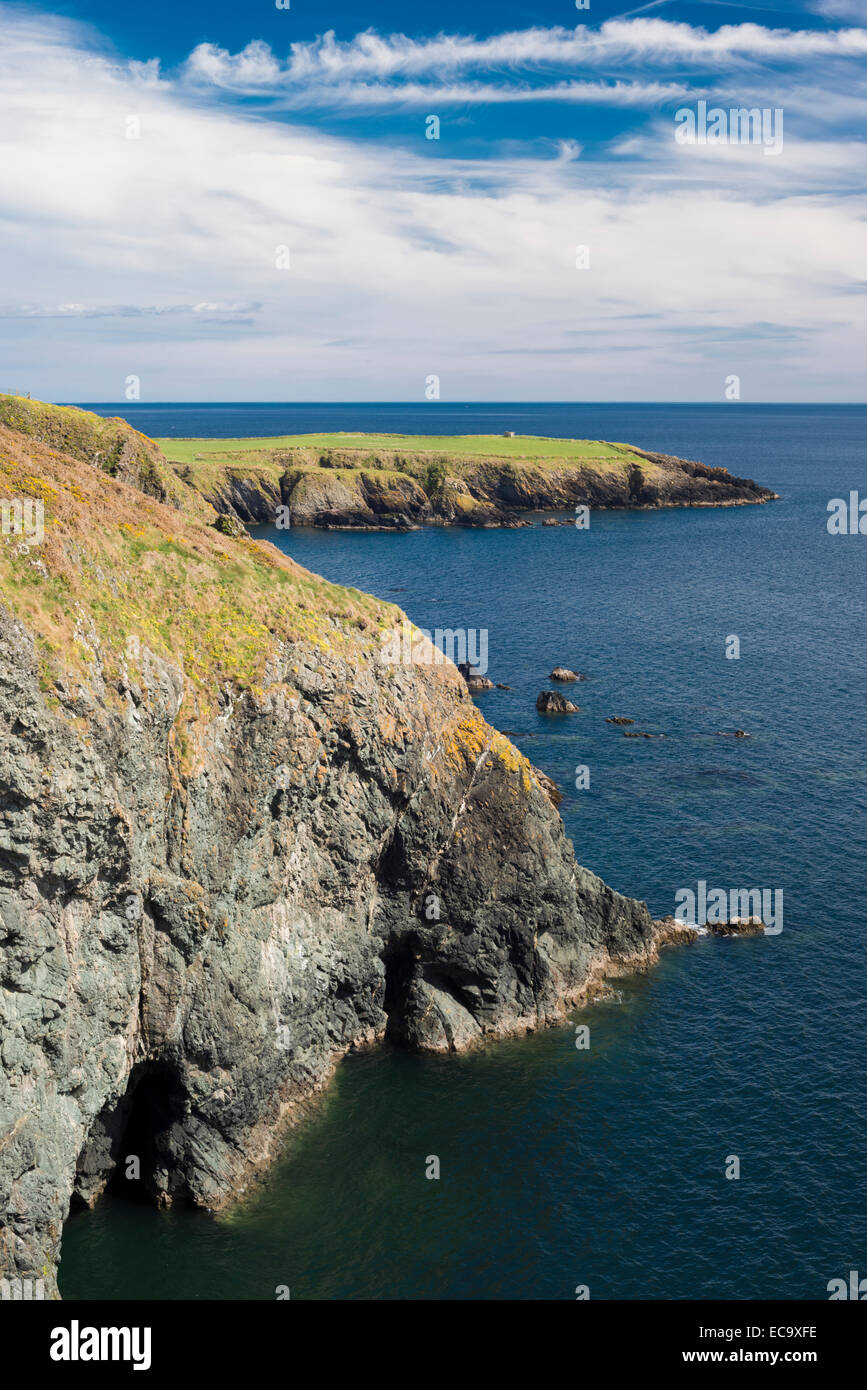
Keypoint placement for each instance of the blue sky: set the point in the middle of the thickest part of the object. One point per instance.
(239, 202)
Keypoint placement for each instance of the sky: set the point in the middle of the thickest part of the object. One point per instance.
(234, 202)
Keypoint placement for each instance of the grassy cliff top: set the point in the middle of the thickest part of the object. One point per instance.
(523, 448)
(205, 463)
(109, 444)
(118, 572)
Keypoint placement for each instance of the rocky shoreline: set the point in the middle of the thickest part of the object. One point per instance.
(358, 490)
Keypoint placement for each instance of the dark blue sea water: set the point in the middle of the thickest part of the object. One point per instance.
(607, 1167)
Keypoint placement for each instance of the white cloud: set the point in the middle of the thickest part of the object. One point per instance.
(124, 311)
(432, 96)
(369, 57)
(842, 9)
(159, 254)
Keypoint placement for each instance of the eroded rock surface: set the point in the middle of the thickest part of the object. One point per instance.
(554, 702)
(184, 954)
(372, 489)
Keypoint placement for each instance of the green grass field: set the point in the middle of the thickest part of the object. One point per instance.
(525, 447)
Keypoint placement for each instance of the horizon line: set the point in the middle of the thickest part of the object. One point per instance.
(145, 405)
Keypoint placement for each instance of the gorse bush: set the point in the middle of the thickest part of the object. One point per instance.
(434, 476)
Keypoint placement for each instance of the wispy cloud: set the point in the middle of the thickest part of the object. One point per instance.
(203, 311)
(429, 95)
(328, 62)
(143, 214)
(842, 9)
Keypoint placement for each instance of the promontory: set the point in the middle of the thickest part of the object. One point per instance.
(378, 482)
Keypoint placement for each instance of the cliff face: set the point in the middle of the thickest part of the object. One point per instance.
(235, 844)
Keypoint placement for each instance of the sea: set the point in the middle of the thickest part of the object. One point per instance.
(711, 1141)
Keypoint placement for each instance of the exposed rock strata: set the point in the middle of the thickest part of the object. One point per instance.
(352, 489)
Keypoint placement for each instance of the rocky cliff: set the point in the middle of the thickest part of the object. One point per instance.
(401, 487)
(234, 844)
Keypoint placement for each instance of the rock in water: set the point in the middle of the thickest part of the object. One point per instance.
(562, 673)
(672, 931)
(618, 719)
(474, 679)
(737, 926)
(553, 702)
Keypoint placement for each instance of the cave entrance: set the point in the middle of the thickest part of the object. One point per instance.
(135, 1150)
(146, 1166)
(399, 960)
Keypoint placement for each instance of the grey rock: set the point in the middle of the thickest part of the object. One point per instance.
(187, 950)
(229, 525)
(553, 702)
(737, 926)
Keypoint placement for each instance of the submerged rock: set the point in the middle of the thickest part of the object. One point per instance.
(618, 719)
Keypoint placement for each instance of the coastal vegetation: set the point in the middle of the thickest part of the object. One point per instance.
(375, 481)
(118, 571)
